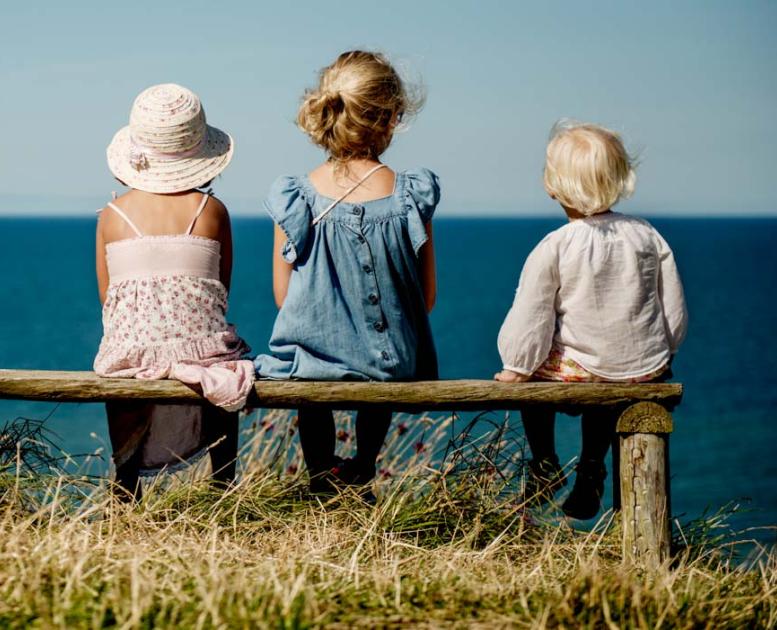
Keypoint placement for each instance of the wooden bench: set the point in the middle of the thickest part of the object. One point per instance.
(641, 490)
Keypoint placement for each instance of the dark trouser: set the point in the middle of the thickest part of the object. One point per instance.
(317, 436)
(221, 432)
(598, 427)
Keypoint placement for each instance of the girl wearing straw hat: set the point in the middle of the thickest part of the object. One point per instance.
(164, 258)
(353, 268)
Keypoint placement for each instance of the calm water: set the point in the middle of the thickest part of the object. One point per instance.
(723, 448)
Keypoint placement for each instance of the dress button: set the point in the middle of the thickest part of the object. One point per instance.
(373, 298)
(385, 355)
(367, 268)
(378, 326)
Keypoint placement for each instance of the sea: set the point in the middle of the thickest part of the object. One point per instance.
(723, 450)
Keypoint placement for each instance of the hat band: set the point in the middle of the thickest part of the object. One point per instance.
(139, 153)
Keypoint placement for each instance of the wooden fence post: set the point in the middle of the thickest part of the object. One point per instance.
(643, 431)
(616, 472)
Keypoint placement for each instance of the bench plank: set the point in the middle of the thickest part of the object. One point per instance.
(449, 395)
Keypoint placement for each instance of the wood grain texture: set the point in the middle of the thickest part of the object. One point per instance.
(645, 417)
(616, 467)
(457, 395)
(644, 488)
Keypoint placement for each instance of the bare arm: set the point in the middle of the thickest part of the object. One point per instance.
(428, 270)
(281, 270)
(214, 223)
(225, 238)
(101, 265)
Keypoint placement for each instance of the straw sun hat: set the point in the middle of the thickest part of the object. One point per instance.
(167, 146)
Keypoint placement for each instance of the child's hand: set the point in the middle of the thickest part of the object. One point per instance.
(508, 376)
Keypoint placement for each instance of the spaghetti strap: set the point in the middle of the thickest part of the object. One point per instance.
(347, 192)
(127, 220)
(203, 203)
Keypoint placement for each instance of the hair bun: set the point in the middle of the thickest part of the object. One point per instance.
(319, 113)
(332, 105)
(353, 111)
(333, 99)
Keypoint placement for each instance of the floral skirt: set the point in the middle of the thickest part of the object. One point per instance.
(557, 367)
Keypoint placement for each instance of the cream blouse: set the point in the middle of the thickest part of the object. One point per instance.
(606, 292)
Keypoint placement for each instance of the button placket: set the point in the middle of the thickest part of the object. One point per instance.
(373, 310)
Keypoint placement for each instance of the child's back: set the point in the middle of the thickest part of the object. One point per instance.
(603, 288)
(162, 215)
(354, 308)
(164, 300)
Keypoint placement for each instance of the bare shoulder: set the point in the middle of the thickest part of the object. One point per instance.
(325, 168)
(216, 209)
(109, 224)
(321, 177)
(384, 180)
(214, 219)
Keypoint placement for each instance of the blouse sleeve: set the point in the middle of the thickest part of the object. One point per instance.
(526, 335)
(670, 292)
(287, 206)
(422, 194)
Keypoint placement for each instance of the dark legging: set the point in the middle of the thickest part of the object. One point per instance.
(598, 427)
(317, 436)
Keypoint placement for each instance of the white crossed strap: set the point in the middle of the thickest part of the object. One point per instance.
(347, 192)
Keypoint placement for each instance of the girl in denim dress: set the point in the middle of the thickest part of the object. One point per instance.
(353, 263)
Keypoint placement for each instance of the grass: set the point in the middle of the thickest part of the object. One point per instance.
(448, 545)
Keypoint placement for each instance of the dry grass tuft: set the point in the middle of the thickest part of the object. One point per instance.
(449, 544)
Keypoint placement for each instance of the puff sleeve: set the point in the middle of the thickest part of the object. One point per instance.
(422, 194)
(287, 206)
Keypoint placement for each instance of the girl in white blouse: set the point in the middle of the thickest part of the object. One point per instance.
(599, 299)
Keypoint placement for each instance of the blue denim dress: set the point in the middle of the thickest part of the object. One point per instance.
(355, 307)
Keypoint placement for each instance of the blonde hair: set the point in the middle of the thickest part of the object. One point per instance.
(587, 167)
(354, 110)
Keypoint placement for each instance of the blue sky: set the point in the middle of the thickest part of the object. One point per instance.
(691, 85)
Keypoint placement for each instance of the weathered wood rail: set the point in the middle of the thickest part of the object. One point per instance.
(641, 490)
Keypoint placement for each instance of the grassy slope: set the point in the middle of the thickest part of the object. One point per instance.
(447, 545)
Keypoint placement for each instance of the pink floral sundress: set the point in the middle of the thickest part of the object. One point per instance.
(165, 317)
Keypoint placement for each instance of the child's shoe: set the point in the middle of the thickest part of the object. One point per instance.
(586, 496)
(351, 472)
(327, 483)
(544, 479)
(343, 473)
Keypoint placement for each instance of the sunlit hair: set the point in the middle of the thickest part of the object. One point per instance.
(354, 110)
(587, 167)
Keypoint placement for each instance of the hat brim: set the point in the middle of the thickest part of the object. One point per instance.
(171, 176)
